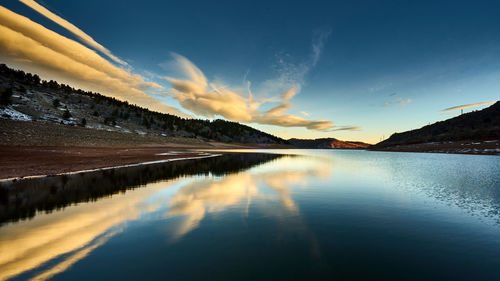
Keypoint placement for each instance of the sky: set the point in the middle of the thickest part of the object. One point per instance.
(352, 70)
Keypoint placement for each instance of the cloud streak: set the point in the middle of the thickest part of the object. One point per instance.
(71, 28)
(29, 44)
(346, 128)
(399, 102)
(206, 99)
(468, 106)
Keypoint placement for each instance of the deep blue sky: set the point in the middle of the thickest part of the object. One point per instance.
(385, 66)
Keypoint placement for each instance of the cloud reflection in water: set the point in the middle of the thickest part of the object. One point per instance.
(212, 195)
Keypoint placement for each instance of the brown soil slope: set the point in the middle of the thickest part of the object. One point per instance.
(34, 133)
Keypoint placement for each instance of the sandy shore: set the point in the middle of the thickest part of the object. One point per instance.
(29, 161)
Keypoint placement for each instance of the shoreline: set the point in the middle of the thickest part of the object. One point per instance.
(471, 147)
(22, 162)
(27, 162)
(108, 168)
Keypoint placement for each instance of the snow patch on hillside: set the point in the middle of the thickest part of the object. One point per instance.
(13, 114)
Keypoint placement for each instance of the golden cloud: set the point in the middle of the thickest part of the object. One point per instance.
(469, 105)
(210, 99)
(27, 43)
(71, 28)
(400, 102)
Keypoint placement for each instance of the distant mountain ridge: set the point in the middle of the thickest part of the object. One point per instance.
(325, 143)
(476, 125)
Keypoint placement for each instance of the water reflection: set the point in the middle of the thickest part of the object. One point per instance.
(23, 199)
(263, 215)
(197, 199)
(67, 232)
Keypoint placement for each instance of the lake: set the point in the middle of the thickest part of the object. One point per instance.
(278, 215)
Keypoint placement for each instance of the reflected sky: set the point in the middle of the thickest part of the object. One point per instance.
(314, 210)
(210, 195)
(80, 228)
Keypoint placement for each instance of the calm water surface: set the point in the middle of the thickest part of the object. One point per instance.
(308, 215)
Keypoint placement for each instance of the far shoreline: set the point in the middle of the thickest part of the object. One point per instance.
(472, 147)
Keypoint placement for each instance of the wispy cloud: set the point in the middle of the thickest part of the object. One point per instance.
(403, 102)
(398, 102)
(318, 43)
(346, 128)
(292, 73)
(73, 29)
(29, 44)
(468, 105)
(203, 98)
(306, 114)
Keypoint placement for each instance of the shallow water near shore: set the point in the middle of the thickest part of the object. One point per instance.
(282, 215)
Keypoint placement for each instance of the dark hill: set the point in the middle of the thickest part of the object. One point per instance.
(476, 125)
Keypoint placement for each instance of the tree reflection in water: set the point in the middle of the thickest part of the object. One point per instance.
(22, 199)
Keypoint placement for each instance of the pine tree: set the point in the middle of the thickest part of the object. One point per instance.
(66, 114)
(5, 96)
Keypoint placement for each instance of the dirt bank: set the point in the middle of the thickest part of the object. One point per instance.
(23, 161)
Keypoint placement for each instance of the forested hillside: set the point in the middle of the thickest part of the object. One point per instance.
(476, 125)
(24, 96)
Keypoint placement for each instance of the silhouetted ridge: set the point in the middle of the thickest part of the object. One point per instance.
(476, 125)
